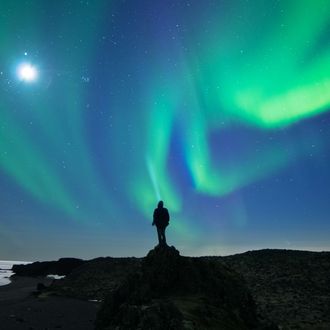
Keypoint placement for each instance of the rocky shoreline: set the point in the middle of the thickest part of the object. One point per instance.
(265, 289)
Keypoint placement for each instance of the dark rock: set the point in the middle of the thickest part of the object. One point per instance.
(174, 292)
(96, 278)
(41, 287)
(291, 288)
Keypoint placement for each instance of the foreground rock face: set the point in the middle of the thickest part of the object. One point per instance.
(63, 266)
(174, 292)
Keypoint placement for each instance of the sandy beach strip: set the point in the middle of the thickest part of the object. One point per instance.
(20, 309)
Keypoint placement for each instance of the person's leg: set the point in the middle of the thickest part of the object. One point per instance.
(164, 237)
(159, 236)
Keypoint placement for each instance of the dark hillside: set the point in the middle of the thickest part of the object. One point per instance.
(291, 288)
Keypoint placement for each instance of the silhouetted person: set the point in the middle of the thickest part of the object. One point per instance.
(161, 218)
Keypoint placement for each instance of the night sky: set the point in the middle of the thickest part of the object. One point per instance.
(219, 108)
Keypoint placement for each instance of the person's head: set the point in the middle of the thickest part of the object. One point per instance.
(160, 204)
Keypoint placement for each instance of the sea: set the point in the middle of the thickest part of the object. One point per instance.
(5, 270)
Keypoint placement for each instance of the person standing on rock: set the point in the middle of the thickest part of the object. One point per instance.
(161, 219)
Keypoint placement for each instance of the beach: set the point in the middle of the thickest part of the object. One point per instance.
(20, 309)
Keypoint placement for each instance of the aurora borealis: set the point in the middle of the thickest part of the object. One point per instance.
(219, 108)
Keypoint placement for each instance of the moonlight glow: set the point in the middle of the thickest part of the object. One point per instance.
(27, 72)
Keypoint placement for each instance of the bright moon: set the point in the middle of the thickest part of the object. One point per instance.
(27, 72)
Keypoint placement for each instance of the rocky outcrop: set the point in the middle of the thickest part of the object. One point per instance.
(174, 292)
(96, 278)
(63, 266)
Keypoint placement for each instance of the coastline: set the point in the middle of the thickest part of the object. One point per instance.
(19, 308)
(283, 284)
(6, 270)
(5, 276)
